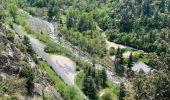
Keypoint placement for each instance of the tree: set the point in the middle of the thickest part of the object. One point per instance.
(30, 49)
(89, 87)
(2, 14)
(103, 76)
(26, 72)
(168, 6)
(112, 51)
(126, 23)
(50, 12)
(85, 22)
(118, 52)
(53, 12)
(147, 8)
(155, 85)
(122, 92)
(98, 80)
(130, 61)
(119, 68)
(70, 22)
(13, 10)
(162, 6)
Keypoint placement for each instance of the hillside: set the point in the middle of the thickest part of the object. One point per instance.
(86, 49)
(16, 64)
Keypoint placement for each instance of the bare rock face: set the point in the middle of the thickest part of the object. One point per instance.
(10, 56)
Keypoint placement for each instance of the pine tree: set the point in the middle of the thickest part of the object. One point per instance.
(50, 12)
(162, 6)
(119, 68)
(130, 61)
(97, 80)
(103, 76)
(168, 6)
(147, 8)
(70, 22)
(118, 52)
(88, 71)
(30, 49)
(93, 73)
(122, 92)
(89, 87)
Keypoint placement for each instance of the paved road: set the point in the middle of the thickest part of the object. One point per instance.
(39, 47)
(53, 31)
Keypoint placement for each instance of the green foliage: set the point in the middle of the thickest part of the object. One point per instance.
(53, 12)
(2, 14)
(67, 92)
(21, 46)
(29, 49)
(89, 88)
(122, 92)
(1, 47)
(54, 48)
(70, 22)
(27, 73)
(10, 36)
(107, 96)
(139, 26)
(12, 86)
(13, 10)
(130, 61)
(21, 17)
(103, 77)
(112, 51)
(146, 8)
(146, 86)
(168, 8)
(79, 79)
(119, 61)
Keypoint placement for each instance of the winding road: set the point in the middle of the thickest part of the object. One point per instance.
(53, 36)
(66, 72)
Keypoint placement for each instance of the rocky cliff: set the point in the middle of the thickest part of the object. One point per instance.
(11, 84)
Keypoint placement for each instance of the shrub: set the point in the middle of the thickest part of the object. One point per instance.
(26, 72)
(1, 47)
(11, 86)
(112, 51)
(21, 46)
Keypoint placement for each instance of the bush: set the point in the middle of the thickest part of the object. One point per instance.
(11, 86)
(112, 51)
(21, 46)
(26, 72)
(10, 36)
(107, 96)
(1, 47)
(137, 54)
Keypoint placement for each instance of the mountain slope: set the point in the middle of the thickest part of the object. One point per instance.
(14, 66)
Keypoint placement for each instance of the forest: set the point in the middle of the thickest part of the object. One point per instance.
(141, 25)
